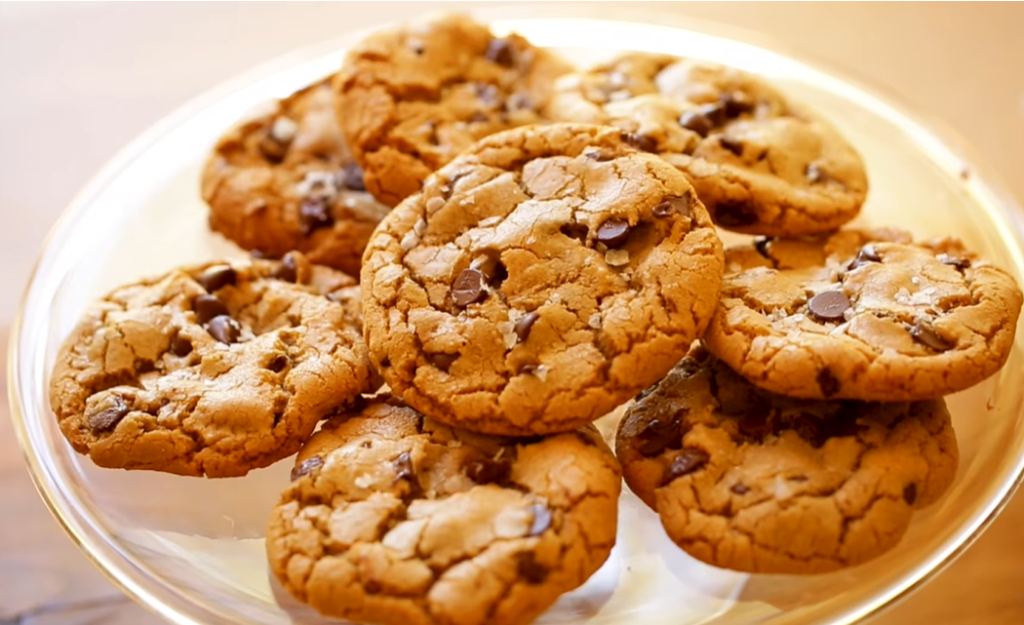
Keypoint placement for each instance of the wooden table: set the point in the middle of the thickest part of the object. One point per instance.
(82, 80)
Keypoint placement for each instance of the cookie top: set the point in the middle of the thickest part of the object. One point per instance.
(863, 315)
(393, 518)
(415, 96)
(761, 164)
(752, 481)
(285, 180)
(539, 280)
(211, 370)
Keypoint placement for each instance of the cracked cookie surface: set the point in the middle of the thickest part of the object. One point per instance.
(211, 370)
(761, 164)
(396, 519)
(539, 280)
(285, 180)
(863, 315)
(413, 97)
(752, 481)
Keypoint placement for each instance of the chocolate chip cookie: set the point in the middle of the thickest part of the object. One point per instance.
(212, 370)
(413, 97)
(748, 480)
(285, 181)
(393, 518)
(539, 280)
(863, 315)
(761, 164)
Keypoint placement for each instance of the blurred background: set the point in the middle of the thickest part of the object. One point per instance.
(81, 80)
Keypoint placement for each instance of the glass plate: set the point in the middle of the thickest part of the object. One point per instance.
(192, 549)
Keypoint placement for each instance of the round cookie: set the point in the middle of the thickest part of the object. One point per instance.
(393, 518)
(285, 181)
(752, 481)
(761, 164)
(413, 97)
(863, 315)
(211, 370)
(538, 281)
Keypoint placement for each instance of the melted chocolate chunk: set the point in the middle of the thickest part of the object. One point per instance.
(181, 346)
(219, 277)
(735, 214)
(288, 270)
(351, 176)
(827, 382)
(468, 288)
(641, 142)
(736, 103)
(500, 51)
(402, 466)
(314, 215)
(925, 334)
(108, 418)
(910, 494)
(740, 489)
(866, 254)
(697, 122)
(224, 329)
(306, 467)
(529, 570)
(524, 325)
(672, 205)
(761, 245)
(733, 145)
(207, 307)
(956, 261)
(443, 362)
(487, 471)
(659, 435)
(687, 461)
(829, 305)
(278, 363)
(613, 232)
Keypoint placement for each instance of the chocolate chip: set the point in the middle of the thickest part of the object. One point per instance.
(815, 174)
(468, 288)
(541, 519)
(641, 142)
(487, 93)
(491, 266)
(443, 362)
(955, 261)
(910, 494)
(351, 177)
(518, 102)
(216, 278)
(487, 471)
(524, 325)
(697, 122)
(597, 155)
(207, 307)
(271, 147)
(575, 231)
(761, 245)
(500, 51)
(529, 570)
(733, 145)
(313, 215)
(829, 305)
(181, 346)
(659, 435)
(287, 270)
(740, 489)
(402, 466)
(224, 329)
(809, 428)
(672, 205)
(924, 333)
(613, 232)
(735, 214)
(866, 254)
(107, 418)
(827, 382)
(306, 467)
(688, 461)
(736, 103)
(278, 363)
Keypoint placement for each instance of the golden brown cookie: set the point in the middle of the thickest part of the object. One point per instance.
(393, 518)
(285, 181)
(413, 97)
(539, 280)
(211, 370)
(863, 315)
(761, 164)
(748, 480)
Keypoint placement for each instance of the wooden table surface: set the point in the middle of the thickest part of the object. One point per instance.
(79, 81)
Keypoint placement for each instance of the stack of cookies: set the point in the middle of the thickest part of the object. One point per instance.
(535, 248)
